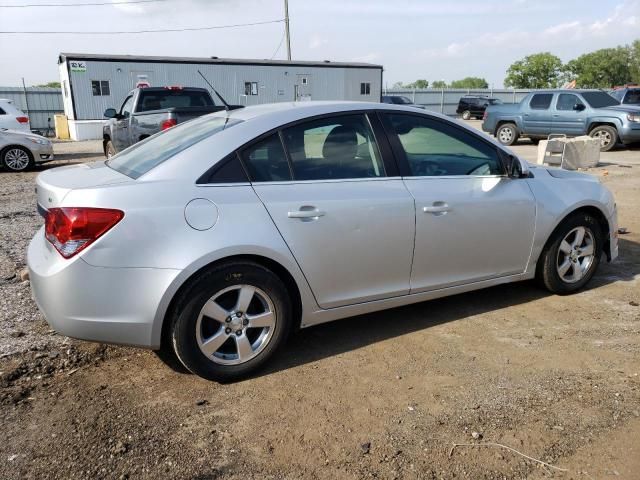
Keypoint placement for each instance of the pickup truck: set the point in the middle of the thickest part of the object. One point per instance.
(146, 111)
(569, 112)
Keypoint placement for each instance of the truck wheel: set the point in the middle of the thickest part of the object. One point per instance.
(507, 134)
(466, 115)
(607, 135)
(109, 149)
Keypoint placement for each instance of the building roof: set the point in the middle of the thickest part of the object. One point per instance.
(212, 61)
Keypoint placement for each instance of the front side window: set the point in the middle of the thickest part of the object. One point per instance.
(541, 101)
(365, 89)
(333, 148)
(567, 101)
(100, 88)
(266, 161)
(435, 148)
(148, 154)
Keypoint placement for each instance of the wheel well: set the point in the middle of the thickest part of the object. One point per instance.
(600, 124)
(275, 267)
(9, 147)
(602, 221)
(503, 122)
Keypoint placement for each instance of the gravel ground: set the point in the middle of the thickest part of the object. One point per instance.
(378, 396)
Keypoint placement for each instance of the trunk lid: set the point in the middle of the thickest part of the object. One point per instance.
(53, 185)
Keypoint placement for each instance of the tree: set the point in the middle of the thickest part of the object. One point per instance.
(634, 62)
(50, 85)
(439, 84)
(540, 70)
(470, 82)
(397, 86)
(418, 84)
(603, 68)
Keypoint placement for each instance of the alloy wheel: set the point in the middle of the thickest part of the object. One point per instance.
(16, 159)
(235, 324)
(505, 135)
(603, 136)
(575, 255)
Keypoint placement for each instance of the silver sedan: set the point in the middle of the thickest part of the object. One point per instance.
(214, 240)
(20, 150)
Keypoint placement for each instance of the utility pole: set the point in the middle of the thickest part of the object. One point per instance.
(286, 26)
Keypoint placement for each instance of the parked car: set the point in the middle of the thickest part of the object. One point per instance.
(627, 95)
(11, 117)
(216, 239)
(147, 111)
(569, 112)
(20, 150)
(400, 100)
(474, 106)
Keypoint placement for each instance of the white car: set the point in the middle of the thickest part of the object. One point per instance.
(214, 239)
(11, 117)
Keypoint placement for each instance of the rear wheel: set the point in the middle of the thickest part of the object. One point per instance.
(230, 321)
(572, 255)
(466, 115)
(507, 134)
(16, 159)
(607, 135)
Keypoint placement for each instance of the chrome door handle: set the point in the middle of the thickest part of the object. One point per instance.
(306, 214)
(443, 208)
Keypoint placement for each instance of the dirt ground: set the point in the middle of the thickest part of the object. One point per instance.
(384, 395)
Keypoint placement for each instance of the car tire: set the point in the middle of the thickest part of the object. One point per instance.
(507, 134)
(466, 115)
(109, 149)
(608, 137)
(571, 256)
(213, 348)
(16, 158)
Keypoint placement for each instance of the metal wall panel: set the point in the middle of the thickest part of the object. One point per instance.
(275, 83)
(43, 103)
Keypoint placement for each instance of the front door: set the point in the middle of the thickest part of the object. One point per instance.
(537, 119)
(472, 222)
(121, 131)
(570, 116)
(349, 226)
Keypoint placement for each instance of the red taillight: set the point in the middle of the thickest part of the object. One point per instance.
(71, 230)
(166, 124)
(22, 119)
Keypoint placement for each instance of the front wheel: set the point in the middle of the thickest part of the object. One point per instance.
(230, 321)
(16, 159)
(572, 255)
(607, 135)
(507, 134)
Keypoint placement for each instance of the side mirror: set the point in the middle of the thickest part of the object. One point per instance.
(516, 168)
(110, 113)
(578, 107)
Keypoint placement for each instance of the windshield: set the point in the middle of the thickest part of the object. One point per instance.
(633, 97)
(401, 100)
(148, 154)
(599, 99)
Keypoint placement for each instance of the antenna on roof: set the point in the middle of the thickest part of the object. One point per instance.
(226, 105)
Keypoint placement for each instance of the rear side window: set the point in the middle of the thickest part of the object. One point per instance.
(2, 112)
(333, 148)
(148, 154)
(541, 101)
(266, 160)
(161, 99)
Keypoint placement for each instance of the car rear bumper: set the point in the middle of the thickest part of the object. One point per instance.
(110, 305)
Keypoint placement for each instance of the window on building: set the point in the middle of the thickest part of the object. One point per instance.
(365, 89)
(100, 88)
(251, 88)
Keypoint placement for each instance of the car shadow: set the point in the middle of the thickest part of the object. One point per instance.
(326, 340)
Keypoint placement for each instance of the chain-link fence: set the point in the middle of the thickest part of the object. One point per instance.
(39, 103)
(446, 100)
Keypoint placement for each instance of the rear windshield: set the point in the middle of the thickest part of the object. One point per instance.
(599, 99)
(160, 99)
(148, 154)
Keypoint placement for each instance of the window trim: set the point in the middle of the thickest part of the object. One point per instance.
(401, 156)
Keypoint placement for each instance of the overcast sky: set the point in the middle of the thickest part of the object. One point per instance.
(435, 40)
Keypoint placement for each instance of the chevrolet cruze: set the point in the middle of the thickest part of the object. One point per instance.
(214, 240)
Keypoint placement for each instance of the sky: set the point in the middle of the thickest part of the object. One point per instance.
(430, 39)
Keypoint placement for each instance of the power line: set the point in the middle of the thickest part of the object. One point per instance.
(163, 30)
(96, 4)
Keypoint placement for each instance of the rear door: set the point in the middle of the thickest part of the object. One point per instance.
(473, 223)
(569, 116)
(537, 118)
(346, 216)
